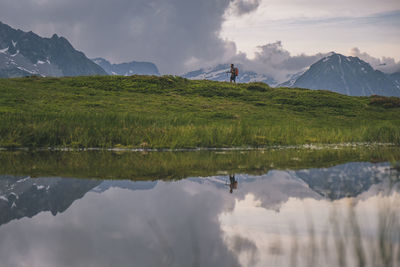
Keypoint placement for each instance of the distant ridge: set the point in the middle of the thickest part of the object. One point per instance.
(347, 75)
(218, 73)
(26, 53)
(127, 69)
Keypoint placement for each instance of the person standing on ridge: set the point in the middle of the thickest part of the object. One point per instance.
(234, 73)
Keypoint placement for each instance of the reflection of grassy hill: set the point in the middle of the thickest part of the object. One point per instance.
(173, 112)
(177, 165)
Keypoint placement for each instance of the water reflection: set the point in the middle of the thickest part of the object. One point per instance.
(346, 215)
(233, 184)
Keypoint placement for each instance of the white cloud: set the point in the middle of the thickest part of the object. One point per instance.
(275, 61)
(177, 35)
(385, 64)
(319, 26)
(182, 35)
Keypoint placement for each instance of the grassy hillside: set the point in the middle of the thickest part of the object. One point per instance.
(172, 112)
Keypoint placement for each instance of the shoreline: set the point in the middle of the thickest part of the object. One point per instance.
(118, 149)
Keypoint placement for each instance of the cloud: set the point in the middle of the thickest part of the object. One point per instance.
(384, 64)
(275, 61)
(177, 35)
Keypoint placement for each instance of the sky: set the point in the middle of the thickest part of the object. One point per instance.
(275, 37)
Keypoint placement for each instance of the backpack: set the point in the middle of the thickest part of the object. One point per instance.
(236, 72)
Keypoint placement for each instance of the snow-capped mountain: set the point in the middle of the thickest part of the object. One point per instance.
(26, 53)
(219, 73)
(346, 75)
(127, 69)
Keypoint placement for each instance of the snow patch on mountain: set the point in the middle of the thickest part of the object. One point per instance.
(4, 50)
(222, 73)
(25, 53)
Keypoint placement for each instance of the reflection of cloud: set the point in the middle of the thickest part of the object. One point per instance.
(242, 245)
(275, 188)
(302, 225)
(187, 223)
(166, 226)
(241, 7)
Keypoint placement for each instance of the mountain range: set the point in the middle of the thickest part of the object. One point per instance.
(335, 72)
(347, 75)
(127, 69)
(219, 73)
(26, 53)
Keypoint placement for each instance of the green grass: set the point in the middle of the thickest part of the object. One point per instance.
(172, 112)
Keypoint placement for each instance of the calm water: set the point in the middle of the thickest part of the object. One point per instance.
(278, 211)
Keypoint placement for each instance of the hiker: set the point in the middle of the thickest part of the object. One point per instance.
(233, 183)
(234, 73)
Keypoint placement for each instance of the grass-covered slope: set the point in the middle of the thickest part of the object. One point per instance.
(172, 112)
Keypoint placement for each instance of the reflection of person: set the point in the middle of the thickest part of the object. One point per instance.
(233, 183)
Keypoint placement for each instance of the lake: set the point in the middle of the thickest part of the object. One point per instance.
(315, 206)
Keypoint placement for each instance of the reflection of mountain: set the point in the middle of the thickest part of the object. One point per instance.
(272, 189)
(346, 180)
(276, 187)
(187, 222)
(26, 197)
(125, 184)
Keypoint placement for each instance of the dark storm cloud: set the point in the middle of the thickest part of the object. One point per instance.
(175, 34)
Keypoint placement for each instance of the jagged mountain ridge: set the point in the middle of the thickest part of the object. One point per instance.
(127, 69)
(346, 75)
(26, 53)
(25, 197)
(219, 73)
